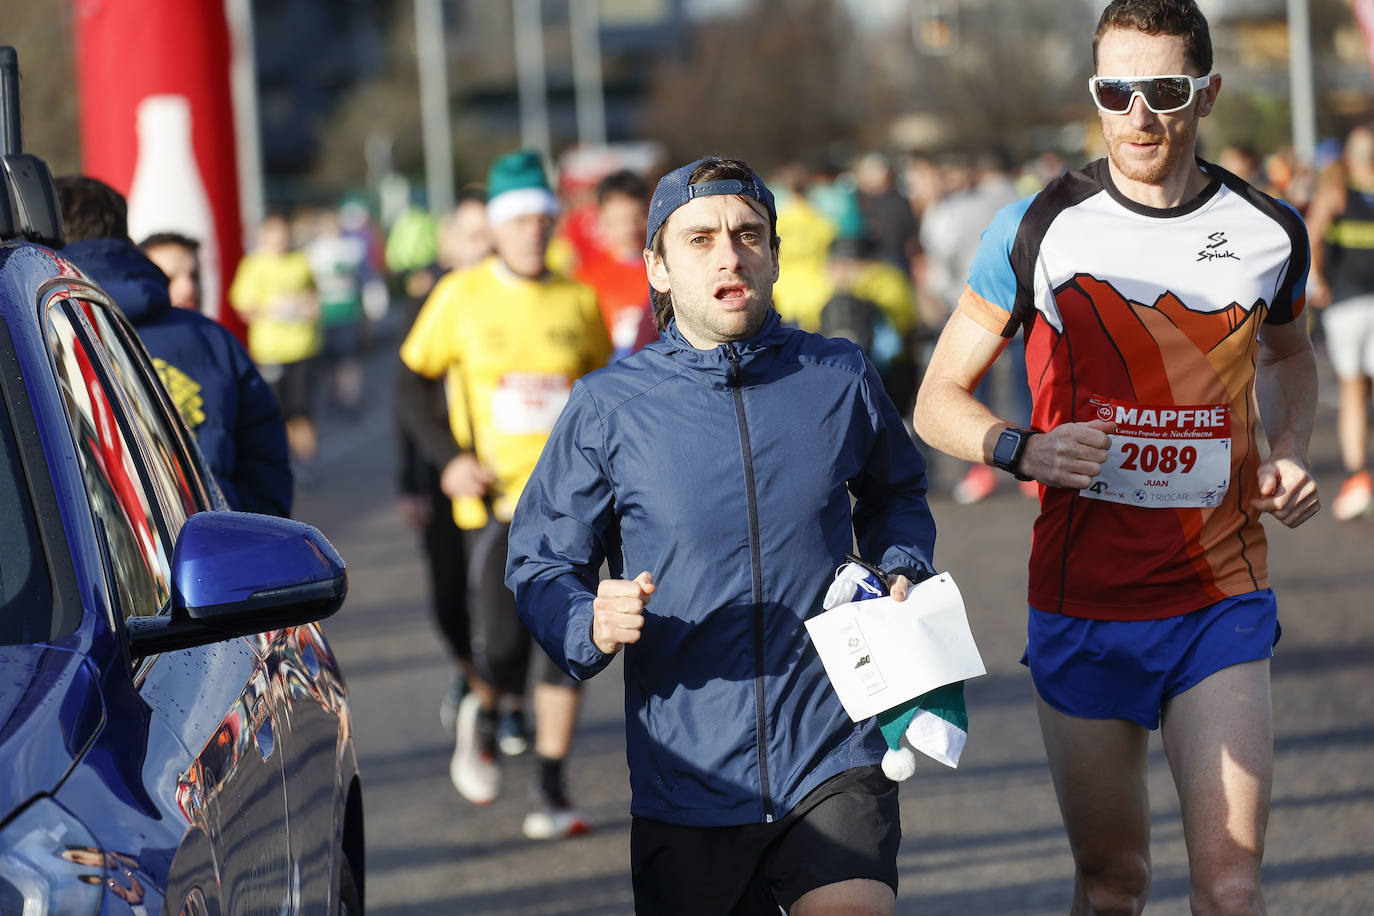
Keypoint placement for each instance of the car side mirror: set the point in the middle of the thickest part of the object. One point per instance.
(239, 573)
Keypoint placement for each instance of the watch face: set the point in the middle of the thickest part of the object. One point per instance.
(1004, 452)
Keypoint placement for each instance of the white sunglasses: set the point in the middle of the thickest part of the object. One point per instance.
(1161, 94)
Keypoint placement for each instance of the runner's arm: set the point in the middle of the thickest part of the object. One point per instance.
(951, 419)
(948, 416)
(432, 347)
(419, 406)
(563, 528)
(1286, 388)
(892, 523)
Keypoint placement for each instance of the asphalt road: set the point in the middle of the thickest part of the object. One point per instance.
(985, 839)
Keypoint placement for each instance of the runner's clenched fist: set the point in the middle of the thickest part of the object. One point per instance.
(618, 611)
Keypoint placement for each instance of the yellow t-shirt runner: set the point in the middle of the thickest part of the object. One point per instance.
(510, 349)
(275, 294)
(802, 288)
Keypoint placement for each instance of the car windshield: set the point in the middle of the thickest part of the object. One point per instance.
(26, 596)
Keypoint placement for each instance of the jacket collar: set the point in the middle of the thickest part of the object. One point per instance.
(135, 283)
(738, 362)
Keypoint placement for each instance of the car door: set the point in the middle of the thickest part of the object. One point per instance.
(144, 482)
(307, 692)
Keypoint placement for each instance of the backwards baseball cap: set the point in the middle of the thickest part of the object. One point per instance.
(517, 186)
(676, 189)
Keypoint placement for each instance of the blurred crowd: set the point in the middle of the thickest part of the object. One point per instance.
(876, 250)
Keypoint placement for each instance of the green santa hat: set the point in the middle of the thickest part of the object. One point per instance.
(517, 186)
(934, 723)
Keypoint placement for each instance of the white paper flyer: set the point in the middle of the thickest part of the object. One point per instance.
(879, 652)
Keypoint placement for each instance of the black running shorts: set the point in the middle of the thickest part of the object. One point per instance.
(847, 827)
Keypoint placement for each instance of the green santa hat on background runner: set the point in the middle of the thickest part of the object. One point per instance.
(518, 186)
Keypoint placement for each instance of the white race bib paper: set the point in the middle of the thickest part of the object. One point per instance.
(1164, 457)
(880, 653)
(525, 403)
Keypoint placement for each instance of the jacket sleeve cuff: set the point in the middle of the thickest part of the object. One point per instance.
(584, 658)
(915, 572)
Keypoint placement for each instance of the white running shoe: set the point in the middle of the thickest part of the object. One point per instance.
(474, 770)
(554, 823)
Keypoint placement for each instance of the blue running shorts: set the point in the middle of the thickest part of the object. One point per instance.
(1128, 669)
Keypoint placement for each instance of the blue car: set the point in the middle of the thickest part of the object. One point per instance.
(174, 730)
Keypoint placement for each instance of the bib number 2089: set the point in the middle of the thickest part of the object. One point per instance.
(1167, 458)
(1164, 457)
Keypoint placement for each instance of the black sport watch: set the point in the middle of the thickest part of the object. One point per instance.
(1011, 445)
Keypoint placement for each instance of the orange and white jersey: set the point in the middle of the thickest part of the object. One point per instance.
(1149, 318)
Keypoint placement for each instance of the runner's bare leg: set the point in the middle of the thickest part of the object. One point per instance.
(856, 897)
(1099, 767)
(1219, 737)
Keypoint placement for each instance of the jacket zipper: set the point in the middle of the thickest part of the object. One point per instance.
(756, 559)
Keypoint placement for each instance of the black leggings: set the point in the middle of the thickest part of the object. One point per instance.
(446, 563)
(295, 388)
(501, 645)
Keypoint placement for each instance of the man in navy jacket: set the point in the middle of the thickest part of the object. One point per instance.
(212, 381)
(717, 465)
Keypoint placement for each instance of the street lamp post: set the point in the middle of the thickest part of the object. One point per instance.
(435, 128)
(529, 63)
(1300, 78)
(587, 81)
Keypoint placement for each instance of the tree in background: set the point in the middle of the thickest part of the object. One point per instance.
(780, 82)
(41, 31)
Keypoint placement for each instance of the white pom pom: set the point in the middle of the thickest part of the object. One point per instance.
(899, 765)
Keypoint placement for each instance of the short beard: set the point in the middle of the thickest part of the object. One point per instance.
(1158, 170)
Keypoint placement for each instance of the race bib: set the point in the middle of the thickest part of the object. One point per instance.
(528, 402)
(1164, 457)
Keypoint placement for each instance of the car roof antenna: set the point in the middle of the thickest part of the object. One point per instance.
(29, 207)
(11, 133)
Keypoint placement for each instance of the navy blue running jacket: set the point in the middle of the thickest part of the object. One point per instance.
(728, 474)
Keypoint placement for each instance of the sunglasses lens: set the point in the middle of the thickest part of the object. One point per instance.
(1113, 95)
(1163, 94)
(1166, 94)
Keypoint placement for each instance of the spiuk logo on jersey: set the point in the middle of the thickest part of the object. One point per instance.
(1216, 248)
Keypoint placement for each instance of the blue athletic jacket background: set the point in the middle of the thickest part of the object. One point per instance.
(648, 453)
(242, 435)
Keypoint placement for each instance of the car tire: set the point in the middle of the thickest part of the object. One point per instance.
(350, 897)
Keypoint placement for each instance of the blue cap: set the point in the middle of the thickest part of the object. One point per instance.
(674, 190)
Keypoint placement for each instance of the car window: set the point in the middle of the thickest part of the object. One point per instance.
(26, 594)
(169, 476)
(136, 541)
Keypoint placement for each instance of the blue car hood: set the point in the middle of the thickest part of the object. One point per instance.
(50, 709)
